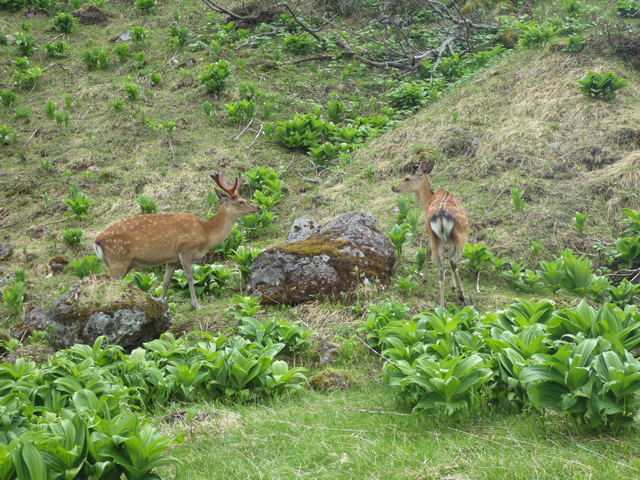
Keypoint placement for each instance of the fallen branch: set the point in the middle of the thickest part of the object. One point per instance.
(311, 58)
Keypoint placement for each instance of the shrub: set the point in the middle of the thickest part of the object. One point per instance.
(72, 236)
(145, 5)
(27, 78)
(214, 76)
(533, 36)
(64, 22)
(57, 49)
(627, 8)
(13, 297)
(147, 205)
(122, 50)
(25, 44)
(8, 98)
(95, 58)
(601, 85)
(88, 265)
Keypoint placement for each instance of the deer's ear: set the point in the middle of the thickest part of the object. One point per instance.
(427, 168)
(221, 195)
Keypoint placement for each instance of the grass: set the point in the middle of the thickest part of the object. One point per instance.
(516, 109)
(361, 433)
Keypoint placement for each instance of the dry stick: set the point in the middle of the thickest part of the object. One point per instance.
(387, 360)
(255, 138)
(292, 159)
(324, 56)
(498, 196)
(478, 284)
(34, 132)
(243, 130)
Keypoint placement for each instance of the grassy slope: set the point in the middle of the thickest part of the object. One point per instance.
(516, 109)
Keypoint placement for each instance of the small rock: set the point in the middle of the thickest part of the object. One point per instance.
(3, 173)
(173, 24)
(212, 299)
(31, 257)
(34, 320)
(94, 169)
(154, 176)
(318, 199)
(5, 251)
(37, 232)
(554, 146)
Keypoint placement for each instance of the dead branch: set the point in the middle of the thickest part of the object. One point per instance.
(218, 9)
(311, 58)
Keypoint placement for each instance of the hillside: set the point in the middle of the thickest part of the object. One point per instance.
(511, 136)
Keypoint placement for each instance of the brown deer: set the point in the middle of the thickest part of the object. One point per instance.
(151, 240)
(446, 221)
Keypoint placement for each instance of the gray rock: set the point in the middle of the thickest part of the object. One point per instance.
(302, 229)
(5, 251)
(35, 319)
(101, 305)
(323, 264)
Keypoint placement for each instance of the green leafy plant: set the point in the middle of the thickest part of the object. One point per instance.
(87, 265)
(231, 243)
(27, 78)
(132, 91)
(72, 236)
(50, 109)
(213, 77)
(517, 199)
(574, 44)
(627, 8)
(96, 58)
(64, 22)
(408, 95)
(406, 284)
(145, 6)
(578, 221)
(25, 43)
(5, 133)
(7, 97)
(476, 256)
(122, 51)
(78, 204)
(57, 49)
(147, 205)
(21, 63)
(155, 78)
(117, 104)
(179, 34)
(601, 85)
(399, 235)
(245, 257)
(144, 281)
(139, 34)
(300, 44)
(13, 297)
(533, 36)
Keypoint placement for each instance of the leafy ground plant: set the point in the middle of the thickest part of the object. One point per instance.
(601, 85)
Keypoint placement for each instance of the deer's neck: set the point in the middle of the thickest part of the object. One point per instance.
(425, 194)
(219, 227)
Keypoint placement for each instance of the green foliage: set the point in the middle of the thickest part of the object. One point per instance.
(207, 108)
(408, 95)
(574, 44)
(50, 109)
(378, 317)
(21, 113)
(139, 34)
(179, 35)
(567, 273)
(21, 63)
(155, 78)
(335, 111)
(399, 235)
(517, 199)
(96, 58)
(406, 284)
(77, 202)
(144, 281)
(533, 36)
(304, 43)
(132, 91)
(231, 243)
(25, 43)
(87, 265)
(245, 257)
(627, 8)
(145, 6)
(5, 133)
(207, 280)
(516, 274)
(476, 256)
(57, 49)
(64, 22)
(117, 104)
(27, 78)
(140, 59)
(578, 221)
(72, 236)
(572, 8)
(213, 77)
(147, 205)
(7, 97)
(13, 297)
(601, 85)
(122, 51)
(294, 337)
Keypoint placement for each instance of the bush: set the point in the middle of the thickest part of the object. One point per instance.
(627, 8)
(601, 85)
(214, 76)
(72, 236)
(88, 265)
(64, 22)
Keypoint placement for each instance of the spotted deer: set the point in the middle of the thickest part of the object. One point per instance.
(446, 223)
(177, 239)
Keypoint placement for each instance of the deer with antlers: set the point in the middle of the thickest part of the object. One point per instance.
(446, 221)
(177, 239)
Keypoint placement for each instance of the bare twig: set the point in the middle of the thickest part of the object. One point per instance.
(243, 130)
(478, 284)
(256, 137)
(34, 132)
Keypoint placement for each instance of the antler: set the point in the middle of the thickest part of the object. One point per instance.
(232, 191)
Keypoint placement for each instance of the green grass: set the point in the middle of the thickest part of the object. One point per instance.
(362, 433)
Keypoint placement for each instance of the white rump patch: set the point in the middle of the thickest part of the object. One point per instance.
(99, 252)
(442, 227)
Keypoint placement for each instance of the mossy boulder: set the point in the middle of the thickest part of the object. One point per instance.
(324, 265)
(100, 305)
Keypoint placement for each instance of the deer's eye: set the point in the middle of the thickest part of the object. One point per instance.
(406, 179)
(241, 202)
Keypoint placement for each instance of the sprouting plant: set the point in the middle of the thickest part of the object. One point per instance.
(214, 76)
(207, 108)
(27, 78)
(170, 127)
(179, 35)
(535, 248)
(50, 109)
(45, 163)
(78, 204)
(476, 256)
(406, 284)
(25, 43)
(335, 110)
(122, 51)
(578, 221)
(72, 236)
(145, 5)
(21, 63)
(117, 104)
(140, 59)
(574, 44)
(628, 8)
(601, 85)
(13, 297)
(139, 34)
(368, 172)
(7, 97)
(5, 133)
(533, 36)
(81, 267)
(64, 22)
(454, 117)
(132, 91)
(147, 205)
(57, 49)
(96, 58)
(156, 78)
(399, 235)
(517, 199)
